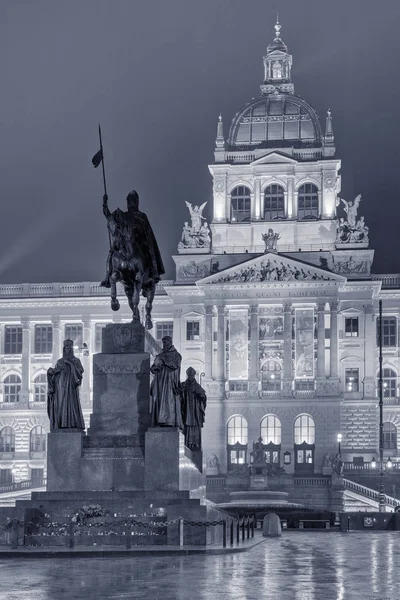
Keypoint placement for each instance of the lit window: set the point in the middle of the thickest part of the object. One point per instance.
(240, 204)
(271, 376)
(351, 327)
(304, 430)
(389, 333)
(40, 383)
(389, 383)
(7, 439)
(193, 330)
(38, 439)
(43, 339)
(271, 430)
(389, 433)
(164, 328)
(12, 388)
(274, 203)
(307, 202)
(237, 430)
(12, 339)
(352, 380)
(74, 332)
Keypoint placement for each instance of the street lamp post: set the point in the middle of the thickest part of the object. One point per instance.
(339, 439)
(381, 488)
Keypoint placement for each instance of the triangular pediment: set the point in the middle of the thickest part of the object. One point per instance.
(271, 268)
(274, 157)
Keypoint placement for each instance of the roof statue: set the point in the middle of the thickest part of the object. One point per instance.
(198, 234)
(270, 240)
(351, 231)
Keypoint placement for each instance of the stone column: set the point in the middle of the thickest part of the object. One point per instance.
(369, 352)
(287, 349)
(256, 208)
(289, 196)
(177, 329)
(321, 340)
(254, 363)
(26, 361)
(334, 340)
(85, 358)
(220, 363)
(56, 353)
(208, 341)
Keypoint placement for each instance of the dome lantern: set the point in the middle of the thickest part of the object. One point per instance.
(277, 66)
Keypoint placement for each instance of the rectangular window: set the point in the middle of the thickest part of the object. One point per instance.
(351, 327)
(13, 339)
(43, 339)
(304, 385)
(389, 333)
(193, 330)
(352, 380)
(74, 332)
(98, 336)
(164, 328)
(37, 474)
(6, 476)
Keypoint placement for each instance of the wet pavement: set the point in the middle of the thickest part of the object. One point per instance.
(297, 566)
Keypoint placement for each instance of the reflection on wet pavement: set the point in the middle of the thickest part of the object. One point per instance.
(298, 566)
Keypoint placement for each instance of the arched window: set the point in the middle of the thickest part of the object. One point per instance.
(38, 439)
(40, 388)
(240, 204)
(12, 388)
(304, 430)
(237, 441)
(389, 381)
(274, 203)
(389, 436)
(7, 439)
(271, 376)
(304, 444)
(307, 202)
(271, 429)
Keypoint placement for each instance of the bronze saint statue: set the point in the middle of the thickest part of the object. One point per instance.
(134, 258)
(63, 405)
(165, 387)
(194, 401)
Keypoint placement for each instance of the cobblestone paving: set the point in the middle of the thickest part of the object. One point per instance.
(298, 566)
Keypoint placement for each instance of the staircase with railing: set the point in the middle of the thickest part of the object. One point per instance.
(371, 496)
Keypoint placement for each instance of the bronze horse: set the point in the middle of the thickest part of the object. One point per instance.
(134, 258)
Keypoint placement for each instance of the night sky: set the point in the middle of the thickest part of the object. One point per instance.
(156, 74)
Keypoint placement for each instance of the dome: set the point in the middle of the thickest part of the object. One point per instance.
(277, 44)
(275, 120)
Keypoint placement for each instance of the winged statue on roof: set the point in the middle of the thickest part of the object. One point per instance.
(196, 214)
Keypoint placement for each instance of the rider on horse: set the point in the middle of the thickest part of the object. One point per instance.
(134, 257)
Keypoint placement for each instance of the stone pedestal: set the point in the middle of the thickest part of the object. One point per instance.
(258, 477)
(169, 465)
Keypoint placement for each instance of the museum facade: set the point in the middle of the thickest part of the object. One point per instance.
(273, 304)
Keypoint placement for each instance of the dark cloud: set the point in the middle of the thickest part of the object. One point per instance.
(156, 74)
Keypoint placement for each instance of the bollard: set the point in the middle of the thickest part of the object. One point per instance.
(14, 534)
(224, 534)
(180, 532)
(237, 531)
(252, 527)
(71, 541)
(348, 523)
(231, 534)
(243, 530)
(128, 536)
(248, 527)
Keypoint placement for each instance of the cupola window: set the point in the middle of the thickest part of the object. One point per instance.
(240, 204)
(307, 202)
(274, 203)
(277, 70)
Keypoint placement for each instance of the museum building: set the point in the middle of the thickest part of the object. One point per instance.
(273, 304)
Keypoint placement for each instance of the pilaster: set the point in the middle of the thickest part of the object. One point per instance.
(254, 370)
(56, 353)
(287, 350)
(369, 352)
(321, 340)
(26, 360)
(208, 345)
(334, 340)
(220, 362)
(178, 329)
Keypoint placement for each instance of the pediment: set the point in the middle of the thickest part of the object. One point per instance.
(274, 158)
(271, 268)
